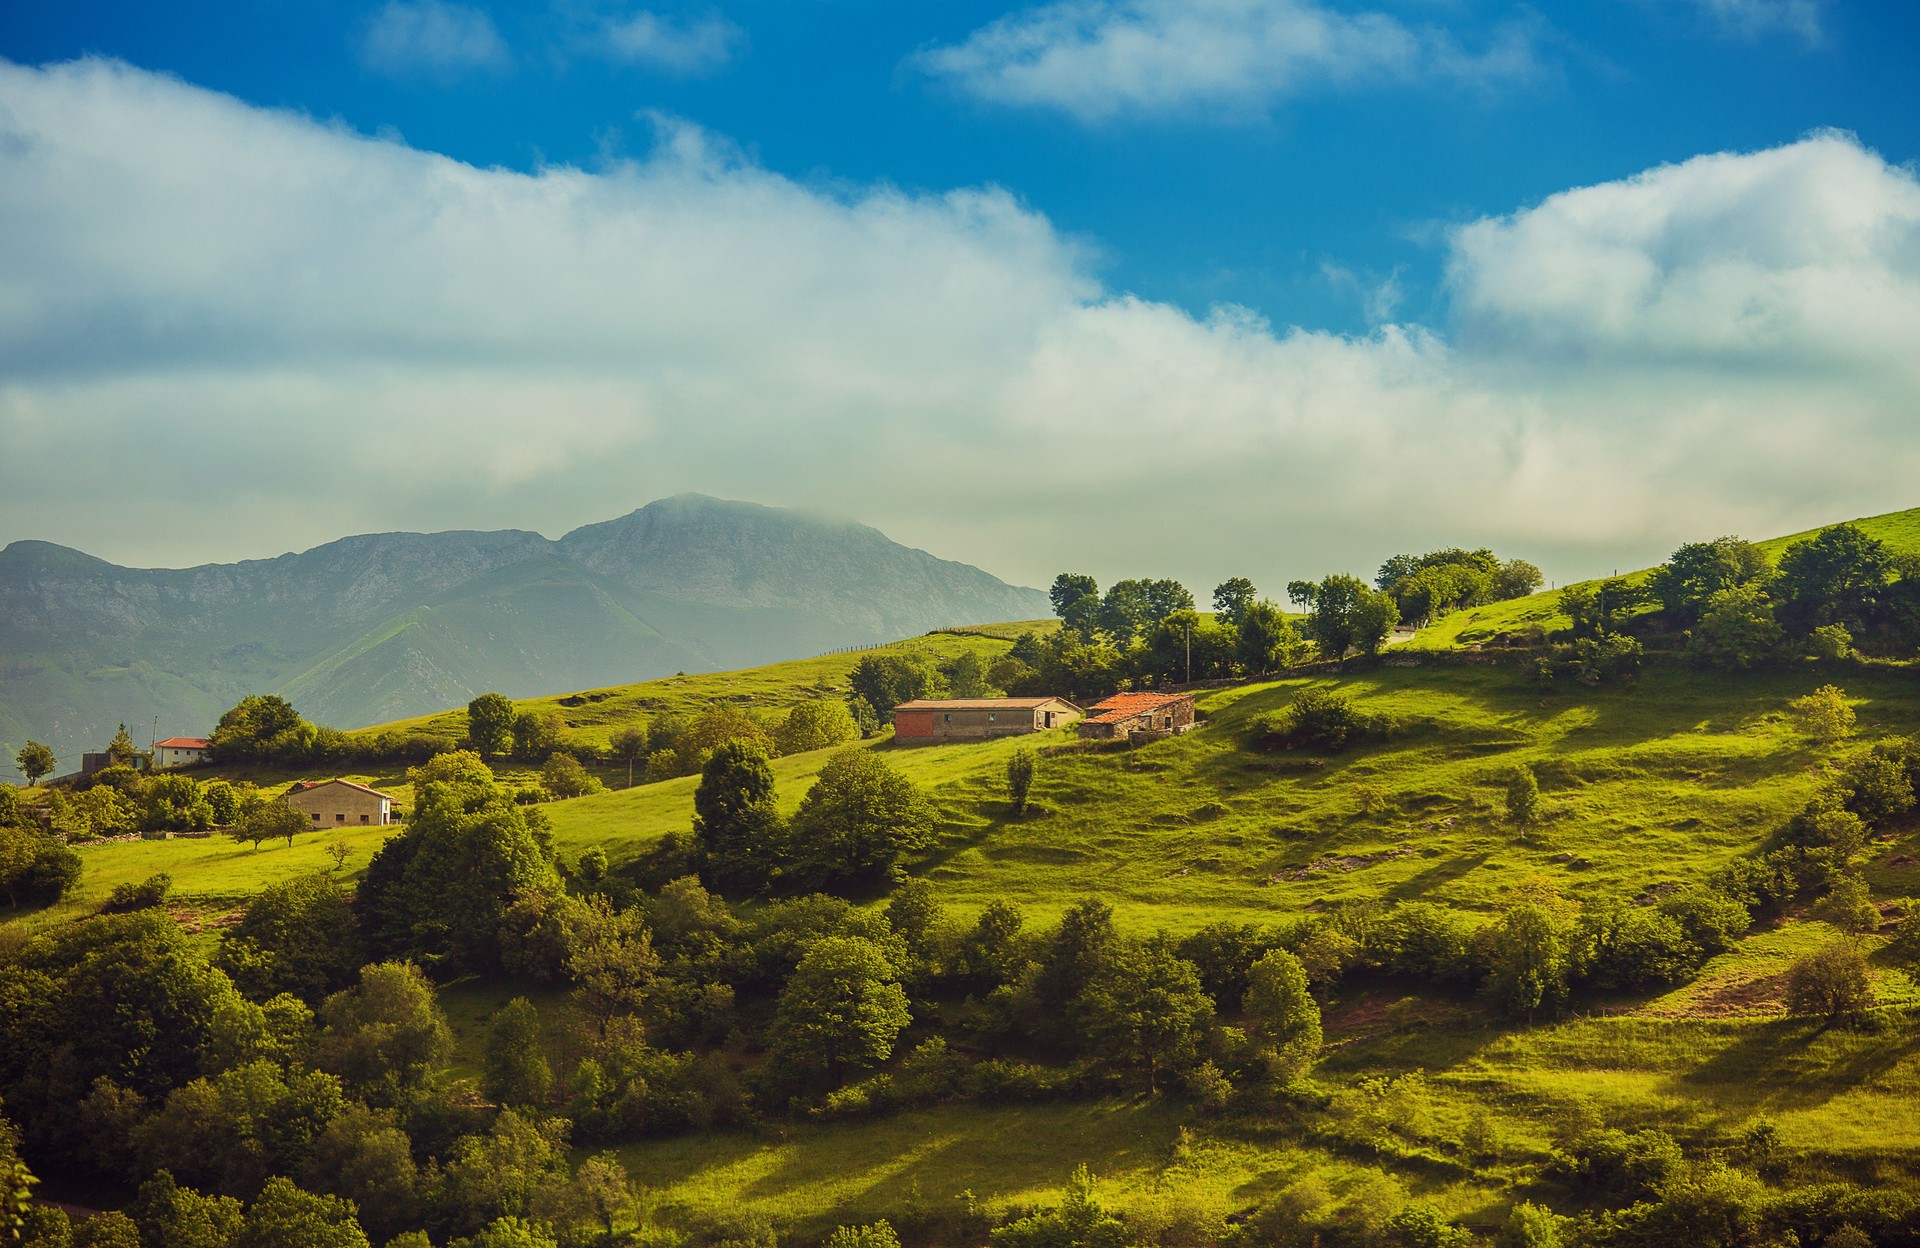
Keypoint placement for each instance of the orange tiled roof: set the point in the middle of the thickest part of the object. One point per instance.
(1127, 705)
(182, 743)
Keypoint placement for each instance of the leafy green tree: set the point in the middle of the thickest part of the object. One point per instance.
(262, 728)
(857, 819)
(1283, 1019)
(1836, 576)
(298, 936)
(34, 760)
(1823, 714)
(1144, 1009)
(223, 802)
(9, 806)
(1598, 608)
(1132, 607)
(1076, 600)
(842, 1010)
(490, 725)
(629, 746)
(111, 1229)
(611, 962)
(1348, 614)
(537, 734)
(1266, 640)
(363, 1155)
(1523, 798)
(739, 833)
(385, 1036)
(516, 1071)
(35, 869)
(563, 776)
(1699, 570)
(874, 1235)
(1529, 956)
(16, 1184)
(1020, 768)
(992, 953)
(234, 1130)
(1232, 597)
(966, 676)
(501, 1173)
(509, 1232)
(1534, 1226)
(267, 819)
(1832, 982)
(1516, 579)
(1829, 641)
(438, 891)
(286, 1217)
(1079, 1222)
(817, 724)
(121, 750)
(1737, 630)
(887, 680)
(171, 803)
(1073, 954)
(1848, 906)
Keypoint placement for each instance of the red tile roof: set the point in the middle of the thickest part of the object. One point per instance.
(1127, 705)
(183, 743)
(978, 704)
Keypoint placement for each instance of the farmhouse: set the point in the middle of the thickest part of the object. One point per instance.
(941, 719)
(340, 803)
(1138, 715)
(179, 752)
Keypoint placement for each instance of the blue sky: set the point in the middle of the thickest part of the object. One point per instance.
(1326, 234)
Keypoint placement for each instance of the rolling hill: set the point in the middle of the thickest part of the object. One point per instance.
(391, 625)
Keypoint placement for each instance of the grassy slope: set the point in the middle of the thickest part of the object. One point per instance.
(1900, 530)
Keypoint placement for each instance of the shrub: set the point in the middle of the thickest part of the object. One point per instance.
(1831, 983)
(147, 893)
(1317, 719)
(1823, 714)
(1618, 1166)
(563, 776)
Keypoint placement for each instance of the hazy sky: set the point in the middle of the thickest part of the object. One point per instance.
(1152, 287)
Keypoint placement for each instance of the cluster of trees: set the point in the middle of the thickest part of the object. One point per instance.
(35, 869)
(1426, 586)
(1732, 608)
(118, 800)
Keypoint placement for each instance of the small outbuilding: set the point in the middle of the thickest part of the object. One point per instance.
(180, 752)
(1138, 716)
(976, 719)
(340, 803)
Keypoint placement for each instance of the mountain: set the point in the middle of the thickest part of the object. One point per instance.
(389, 625)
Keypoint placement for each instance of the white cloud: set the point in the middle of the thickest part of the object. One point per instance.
(431, 36)
(1097, 59)
(1750, 18)
(226, 331)
(686, 46)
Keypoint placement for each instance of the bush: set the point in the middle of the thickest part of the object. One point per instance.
(1317, 719)
(1830, 983)
(563, 776)
(1617, 1166)
(149, 892)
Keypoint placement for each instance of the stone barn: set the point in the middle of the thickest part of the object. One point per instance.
(1138, 716)
(976, 719)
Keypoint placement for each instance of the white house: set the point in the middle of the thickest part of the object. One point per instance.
(179, 752)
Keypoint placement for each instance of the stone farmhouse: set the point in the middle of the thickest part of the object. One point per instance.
(180, 752)
(976, 719)
(1138, 716)
(340, 803)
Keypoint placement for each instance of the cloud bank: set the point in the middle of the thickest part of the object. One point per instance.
(228, 331)
(1099, 59)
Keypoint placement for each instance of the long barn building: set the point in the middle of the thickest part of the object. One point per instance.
(974, 719)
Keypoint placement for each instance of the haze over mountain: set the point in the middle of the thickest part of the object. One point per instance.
(388, 625)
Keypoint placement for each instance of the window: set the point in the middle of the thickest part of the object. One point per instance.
(316, 816)
(366, 818)
(339, 818)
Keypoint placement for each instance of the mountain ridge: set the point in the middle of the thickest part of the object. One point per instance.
(379, 626)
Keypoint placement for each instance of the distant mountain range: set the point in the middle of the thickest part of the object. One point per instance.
(389, 625)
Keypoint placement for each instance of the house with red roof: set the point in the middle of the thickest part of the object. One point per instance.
(976, 719)
(1138, 715)
(339, 804)
(180, 752)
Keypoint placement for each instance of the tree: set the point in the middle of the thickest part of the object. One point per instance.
(1300, 594)
(1848, 906)
(121, 751)
(490, 725)
(286, 1217)
(16, 1184)
(1836, 576)
(563, 776)
(628, 746)
(877, 1235)
(262, 728)
(1076, 600)
(887, 680)
(298, 937)
(384, 1036)
(1266, 640)
(537, 733)
(35, 869)
(1020, 767)
(1830, 982)
(1533, 1226)
(857, 819)
(1523, 797)
(1699, 570)
(842, 1008)
(612, 963)
(1528, 954)
(1737, 630)
(1283, 1020)
(1823, 714)
(34, 760)
(265, 820)
(1349, 615)
(816, 724)
(171, 803)
(738, 831)
(1516, 579)
(170, 1216)
(1232, 597)
(111, 1229)
(1597, 608)
(223, 802)
(516, 1070)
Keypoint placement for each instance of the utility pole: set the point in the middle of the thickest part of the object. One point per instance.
(1189, 651)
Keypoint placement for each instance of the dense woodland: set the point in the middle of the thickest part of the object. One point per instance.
(290, 1081)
